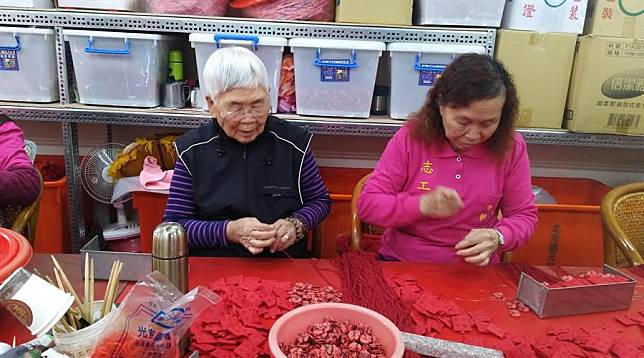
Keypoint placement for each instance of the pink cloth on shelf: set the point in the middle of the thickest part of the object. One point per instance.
(152, 177)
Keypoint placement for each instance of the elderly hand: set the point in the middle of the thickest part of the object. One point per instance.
(285, 237)
(250, 232)
(441, 203)
(478, 246)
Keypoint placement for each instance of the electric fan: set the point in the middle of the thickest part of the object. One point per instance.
(100, 186)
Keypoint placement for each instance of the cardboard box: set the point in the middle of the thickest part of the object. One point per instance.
(545, 15)
(607, 87)
(541, 64)
(484, 13)
(386, 12)
(615, 18)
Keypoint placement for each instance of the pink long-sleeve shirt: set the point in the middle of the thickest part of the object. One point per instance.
(19, 181)
(409, 168)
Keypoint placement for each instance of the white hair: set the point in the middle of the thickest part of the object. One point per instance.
(233, 67)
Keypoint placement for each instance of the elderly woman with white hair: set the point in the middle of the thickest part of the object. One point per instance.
(245, 183)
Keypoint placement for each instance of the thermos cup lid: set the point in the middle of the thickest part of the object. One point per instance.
(169, 241)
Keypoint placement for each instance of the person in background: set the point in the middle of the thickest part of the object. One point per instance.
(246, 183)
(454, 183)
(19, 180)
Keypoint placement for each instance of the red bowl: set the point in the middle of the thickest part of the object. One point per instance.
(287, 327)
(15, 252)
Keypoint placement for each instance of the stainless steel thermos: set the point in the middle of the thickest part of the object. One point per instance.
(170, 253)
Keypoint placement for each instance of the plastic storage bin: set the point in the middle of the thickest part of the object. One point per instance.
(123, 5)
(28, 63)
(335, 77)
(414, 69)
(565, 227)
(119, 68)
(37, 4)
(268, 49)
(487, 13)
(52, 229)
(151, 207)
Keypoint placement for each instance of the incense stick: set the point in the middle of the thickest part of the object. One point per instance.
(91, 291)
(67, 284)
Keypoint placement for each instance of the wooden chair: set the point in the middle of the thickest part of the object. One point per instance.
(622, 213)
(358, 227)
(366, 236)
(27, 218)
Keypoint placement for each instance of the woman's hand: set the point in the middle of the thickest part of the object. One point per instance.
(441, 203)
(478, 246)
(250, 232)
(285, 237)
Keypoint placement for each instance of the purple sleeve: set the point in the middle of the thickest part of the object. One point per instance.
(181, 209)
(19, 186)
(317, 202)
(518, 209)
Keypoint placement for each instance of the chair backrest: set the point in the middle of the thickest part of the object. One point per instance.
(31, 148)
(27, 218)
(357, 226)
(622, 213)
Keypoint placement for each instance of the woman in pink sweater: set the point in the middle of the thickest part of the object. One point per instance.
(447, 175)
(19, 180)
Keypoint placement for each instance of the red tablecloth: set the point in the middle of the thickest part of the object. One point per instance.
(471, 287)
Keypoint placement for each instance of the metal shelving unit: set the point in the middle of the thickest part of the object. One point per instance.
(188, 24)
(70, 114)
(379, 126)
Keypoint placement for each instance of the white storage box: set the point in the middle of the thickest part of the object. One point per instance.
(36, 4)
(122, 5)
(486, 13)
(545, 15)
(28, 69)
(268, 49)
(119, 68)
(335, 77)
(414, 69)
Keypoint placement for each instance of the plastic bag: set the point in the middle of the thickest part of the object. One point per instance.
(286, 97)
(541, 196)
(312, 10)
(189, 7)
(152, 319)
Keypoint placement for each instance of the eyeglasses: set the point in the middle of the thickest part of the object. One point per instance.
(255, 111)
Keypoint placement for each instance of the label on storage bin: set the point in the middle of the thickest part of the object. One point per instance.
(335, 74)
(9, 60)
(429, 74)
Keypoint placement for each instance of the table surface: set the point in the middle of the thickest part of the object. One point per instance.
(471, 287)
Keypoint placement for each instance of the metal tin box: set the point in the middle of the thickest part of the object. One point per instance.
(135, 265)
(564, 301)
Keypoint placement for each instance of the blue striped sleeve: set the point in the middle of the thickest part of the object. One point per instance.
(317, 202)
(181, 208)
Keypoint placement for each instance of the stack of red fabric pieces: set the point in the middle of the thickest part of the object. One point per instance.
(587, 278)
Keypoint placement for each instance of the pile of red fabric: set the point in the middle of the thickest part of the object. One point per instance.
(587, 278)
(238, 326)
(311, 10)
